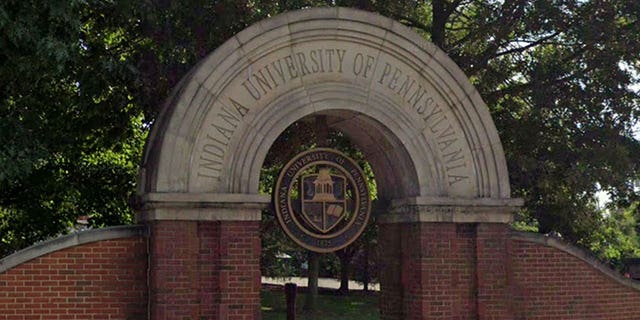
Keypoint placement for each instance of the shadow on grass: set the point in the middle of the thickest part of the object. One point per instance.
(357, 305)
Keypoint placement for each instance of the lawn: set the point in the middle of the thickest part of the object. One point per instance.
(355, 306)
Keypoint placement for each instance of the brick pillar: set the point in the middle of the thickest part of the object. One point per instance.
(492, 271)
(239, 270)
(428, 271)
(204, 270)
(438, 270)
(173, 263)
(390, 272)
(204, 263)
(452, 258)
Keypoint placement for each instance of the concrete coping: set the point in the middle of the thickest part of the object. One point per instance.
(554, 242)
(200, 214)
(203, 200)
(68, 241)
(450, 215)
(201, 206)
(465, 202)
(451, 210)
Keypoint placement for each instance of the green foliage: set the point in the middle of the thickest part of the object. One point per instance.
(71, 132)
(619, 239)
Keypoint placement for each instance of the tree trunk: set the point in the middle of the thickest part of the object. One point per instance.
(312, 283)
(439, 22)
(365, 281)
(345, 263)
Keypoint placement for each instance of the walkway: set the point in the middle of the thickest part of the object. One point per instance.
(328, 283)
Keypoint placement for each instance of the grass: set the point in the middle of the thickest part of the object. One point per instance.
(355, 306)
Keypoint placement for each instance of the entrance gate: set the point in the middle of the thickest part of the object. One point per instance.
(426, 132)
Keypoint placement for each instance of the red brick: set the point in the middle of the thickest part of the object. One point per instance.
(549, 283)
(45, 288)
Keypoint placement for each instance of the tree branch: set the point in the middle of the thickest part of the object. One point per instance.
(527, 47)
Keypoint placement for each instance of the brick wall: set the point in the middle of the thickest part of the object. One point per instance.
(551, 283)
(210, 270)
(98, 280)
(483, 271)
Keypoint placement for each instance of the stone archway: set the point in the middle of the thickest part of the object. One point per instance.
(418, 120)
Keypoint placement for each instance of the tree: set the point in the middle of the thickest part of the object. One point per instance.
(620, 238)
(82, 82)
(71, 130)
(349, 262)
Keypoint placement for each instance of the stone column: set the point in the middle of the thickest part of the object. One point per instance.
(446, 251)
(204, 255)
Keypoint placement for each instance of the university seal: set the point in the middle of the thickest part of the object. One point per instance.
(322, 200)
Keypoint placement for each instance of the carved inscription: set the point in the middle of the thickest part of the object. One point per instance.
(215, 147)
(289, 67)
(412, 91)
(423, 103)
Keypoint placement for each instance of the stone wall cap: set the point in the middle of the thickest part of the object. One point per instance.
(70, 240)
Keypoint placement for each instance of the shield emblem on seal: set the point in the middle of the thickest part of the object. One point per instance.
(323, 199)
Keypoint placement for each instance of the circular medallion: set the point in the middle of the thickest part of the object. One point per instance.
(322, 200)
